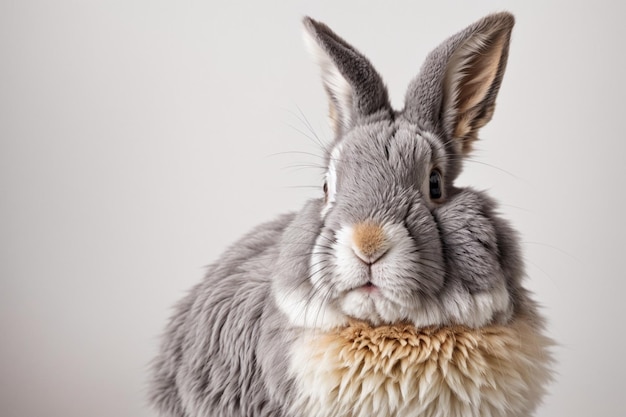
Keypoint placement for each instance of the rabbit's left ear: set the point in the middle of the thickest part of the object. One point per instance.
(355, 90)
(456, 90)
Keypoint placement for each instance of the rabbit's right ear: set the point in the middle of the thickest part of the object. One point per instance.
(354, 88)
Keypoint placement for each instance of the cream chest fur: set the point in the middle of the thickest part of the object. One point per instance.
(399, 371)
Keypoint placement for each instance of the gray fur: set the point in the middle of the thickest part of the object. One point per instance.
(225, 350)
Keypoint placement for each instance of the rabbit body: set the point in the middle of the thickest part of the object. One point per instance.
(397, 293)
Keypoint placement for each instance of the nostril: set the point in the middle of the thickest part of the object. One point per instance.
(361, 256)
(371, 258)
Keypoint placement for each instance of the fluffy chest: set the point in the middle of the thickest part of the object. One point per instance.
(398, 371)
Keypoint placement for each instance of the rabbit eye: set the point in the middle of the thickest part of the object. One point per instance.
(325, 188)
(435, 185)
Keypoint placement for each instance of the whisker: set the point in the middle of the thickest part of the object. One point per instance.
(294, 153)
(556, 248)
(312, 139)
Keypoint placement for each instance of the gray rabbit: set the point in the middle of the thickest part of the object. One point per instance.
(393, 294)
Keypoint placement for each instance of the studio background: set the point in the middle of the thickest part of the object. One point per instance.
(139, 138)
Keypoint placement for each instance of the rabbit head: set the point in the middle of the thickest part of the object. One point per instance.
(392, 239)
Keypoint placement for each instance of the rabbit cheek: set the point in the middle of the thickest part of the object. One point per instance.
(471, 240)
(476, 290)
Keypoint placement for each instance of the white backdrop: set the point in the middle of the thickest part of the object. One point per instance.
(139, 138)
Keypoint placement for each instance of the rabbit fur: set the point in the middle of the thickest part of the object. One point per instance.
(393, 294)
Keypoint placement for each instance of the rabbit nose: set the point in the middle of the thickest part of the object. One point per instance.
(369, 242)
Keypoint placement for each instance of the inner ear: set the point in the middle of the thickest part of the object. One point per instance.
(478, 77)
(471, 82)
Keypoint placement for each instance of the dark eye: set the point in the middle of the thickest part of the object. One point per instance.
(325, 188)
(435, 185)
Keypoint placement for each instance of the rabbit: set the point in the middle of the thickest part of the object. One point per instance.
(394, 293)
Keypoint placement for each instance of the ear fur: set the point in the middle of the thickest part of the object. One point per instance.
(456, 89)
(355, 90)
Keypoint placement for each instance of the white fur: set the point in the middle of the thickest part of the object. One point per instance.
(331, 179)
(307, 311)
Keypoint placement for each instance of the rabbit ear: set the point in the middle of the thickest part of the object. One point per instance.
(455, 92)
(355, 90)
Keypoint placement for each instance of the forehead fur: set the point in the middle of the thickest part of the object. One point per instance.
(383, 155)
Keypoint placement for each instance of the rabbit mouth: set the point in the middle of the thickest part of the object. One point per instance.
(373, 303)
(368, 287)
